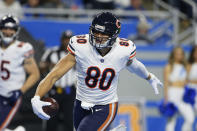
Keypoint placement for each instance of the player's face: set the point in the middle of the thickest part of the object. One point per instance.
(178, 55)
(8, 32)
(100, 38)
(8, 35)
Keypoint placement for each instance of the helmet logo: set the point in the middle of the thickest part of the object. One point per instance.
(100, 28)
(118, 23)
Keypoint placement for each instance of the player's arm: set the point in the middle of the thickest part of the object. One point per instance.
(139, 69)
(63, 66)
(32, 70)
(166, 73)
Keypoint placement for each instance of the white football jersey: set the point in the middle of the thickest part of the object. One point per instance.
(97, 76)
(12, 73)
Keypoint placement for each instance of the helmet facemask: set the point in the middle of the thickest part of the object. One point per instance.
(7, 39)
(101, 42)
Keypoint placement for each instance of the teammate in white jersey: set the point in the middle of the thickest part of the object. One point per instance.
(16, 59)
(99, 57)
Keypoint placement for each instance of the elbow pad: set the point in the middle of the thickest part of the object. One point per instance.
(138, 68)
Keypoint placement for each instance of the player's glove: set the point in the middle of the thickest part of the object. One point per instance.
(14, 96)
(154, 81)
(37, 105)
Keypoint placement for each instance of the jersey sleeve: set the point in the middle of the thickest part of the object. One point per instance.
(71, 46)
(28, 50)
(132, 50)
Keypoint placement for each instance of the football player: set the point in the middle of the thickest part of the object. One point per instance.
(99, 57)
(16, 59)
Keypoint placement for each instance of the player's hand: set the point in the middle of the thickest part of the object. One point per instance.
(155, 82)
(37, 105)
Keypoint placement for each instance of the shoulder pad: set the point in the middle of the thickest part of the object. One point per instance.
(76, 41)
(28, 50)
(129, 46)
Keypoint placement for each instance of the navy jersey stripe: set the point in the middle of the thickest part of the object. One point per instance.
(71, 47)
(133, 52)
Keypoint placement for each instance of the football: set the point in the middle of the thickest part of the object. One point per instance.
(51, 110)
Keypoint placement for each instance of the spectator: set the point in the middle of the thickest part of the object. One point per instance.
(135, 5)
(11, 7)
(103, 4)
(122, 4)
(64, 89)
(53, 4)
(73, 4)
(87, 4)
(174, 81)
(142, 37)
(182, 6)
(32, 4)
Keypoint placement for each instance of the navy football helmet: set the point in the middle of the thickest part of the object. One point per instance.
(9, 22)
(107, 24)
